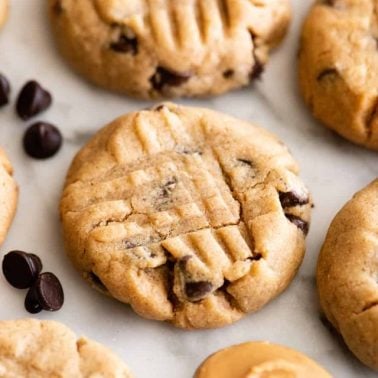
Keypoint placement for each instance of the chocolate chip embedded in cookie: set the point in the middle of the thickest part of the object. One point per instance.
(189, 215)
(259, 359)
(33, 348)
(169, 48)
(347, 274)
(3, 11)
(8, 195)
(338, 63)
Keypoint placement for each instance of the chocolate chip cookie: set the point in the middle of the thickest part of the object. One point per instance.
(8, 195)
(45, 349)
(167, 48)
(188, 215)
(338, 63)
(3, 11)
(347, 274)
(259, 360)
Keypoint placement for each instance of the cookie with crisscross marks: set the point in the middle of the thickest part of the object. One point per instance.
(8, 195)
(167, 48)
(190, 216)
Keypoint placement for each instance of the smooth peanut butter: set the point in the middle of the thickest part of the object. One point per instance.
(259, 360)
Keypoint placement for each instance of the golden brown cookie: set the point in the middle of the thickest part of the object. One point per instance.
(338, 63)
(347, 274)
(260, 360)
(189, 215)
(8, 195)
(31, 348)
(165, 48)
(3, 11)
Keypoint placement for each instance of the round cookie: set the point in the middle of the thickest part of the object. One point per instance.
(3, 11)
(8, 195)
(167, 48)
(44, 349)
(189, 215)
(347, 274)
(259, 360)
(337, 67)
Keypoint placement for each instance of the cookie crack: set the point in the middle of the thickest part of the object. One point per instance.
(372, 115)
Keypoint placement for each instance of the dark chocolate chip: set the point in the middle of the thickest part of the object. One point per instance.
(291, 199)
(33, 99)
(299, 222)
(258, 67)
(21, 269)
(97, 281)
(183, 262)
(129, 244)
(196, 291)
(32, 304)
(159, 107)
(49, 292)
(329, 72)
(331, 3)
(246, 162)
(164, 77)
(42, 140)
(228, 74)
(57, 7)
(125, 45)
(4, 90)
(169, 187)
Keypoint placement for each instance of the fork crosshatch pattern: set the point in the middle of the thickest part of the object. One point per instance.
(166, 48)
(185, 216)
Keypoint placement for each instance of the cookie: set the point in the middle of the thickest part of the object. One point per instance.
(188, 215)
(168, 48)
(337, 67)
(3, 11)
(44, 349)
(8, 195)
(259, 360)
(347, 274)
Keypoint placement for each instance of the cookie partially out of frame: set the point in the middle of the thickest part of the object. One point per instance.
(45, 349)
(259, 360)
(8, 195)
(189, 215)
(338, 67)
(347, 274)
(3, 11)
(166, 48)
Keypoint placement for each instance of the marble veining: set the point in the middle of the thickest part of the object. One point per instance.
(332, 168)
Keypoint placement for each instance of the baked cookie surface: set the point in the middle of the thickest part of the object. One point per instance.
(8, 195)
(31, 348)
(189, 215)
(168, 48)
(347, 274)
(3, 11)
(259, 360)
(338, 63)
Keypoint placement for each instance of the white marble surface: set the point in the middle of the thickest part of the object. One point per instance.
(332, 168)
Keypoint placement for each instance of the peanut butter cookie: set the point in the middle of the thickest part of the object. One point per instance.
(338, 63)
(347, 274)
(167, 48)
(189, 215)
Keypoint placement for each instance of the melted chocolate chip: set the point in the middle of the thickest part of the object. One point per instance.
(299, 222)
(32, 304)
(49, 292)
(21, 269)
(183, 262)
(329, 72)
(33, 99)
(42, 140)
(164, 77)
(125, 45)
(291, 199)
(57, 7)
(196, 291)
(4, 90)
(246, 162)
(228, 74)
